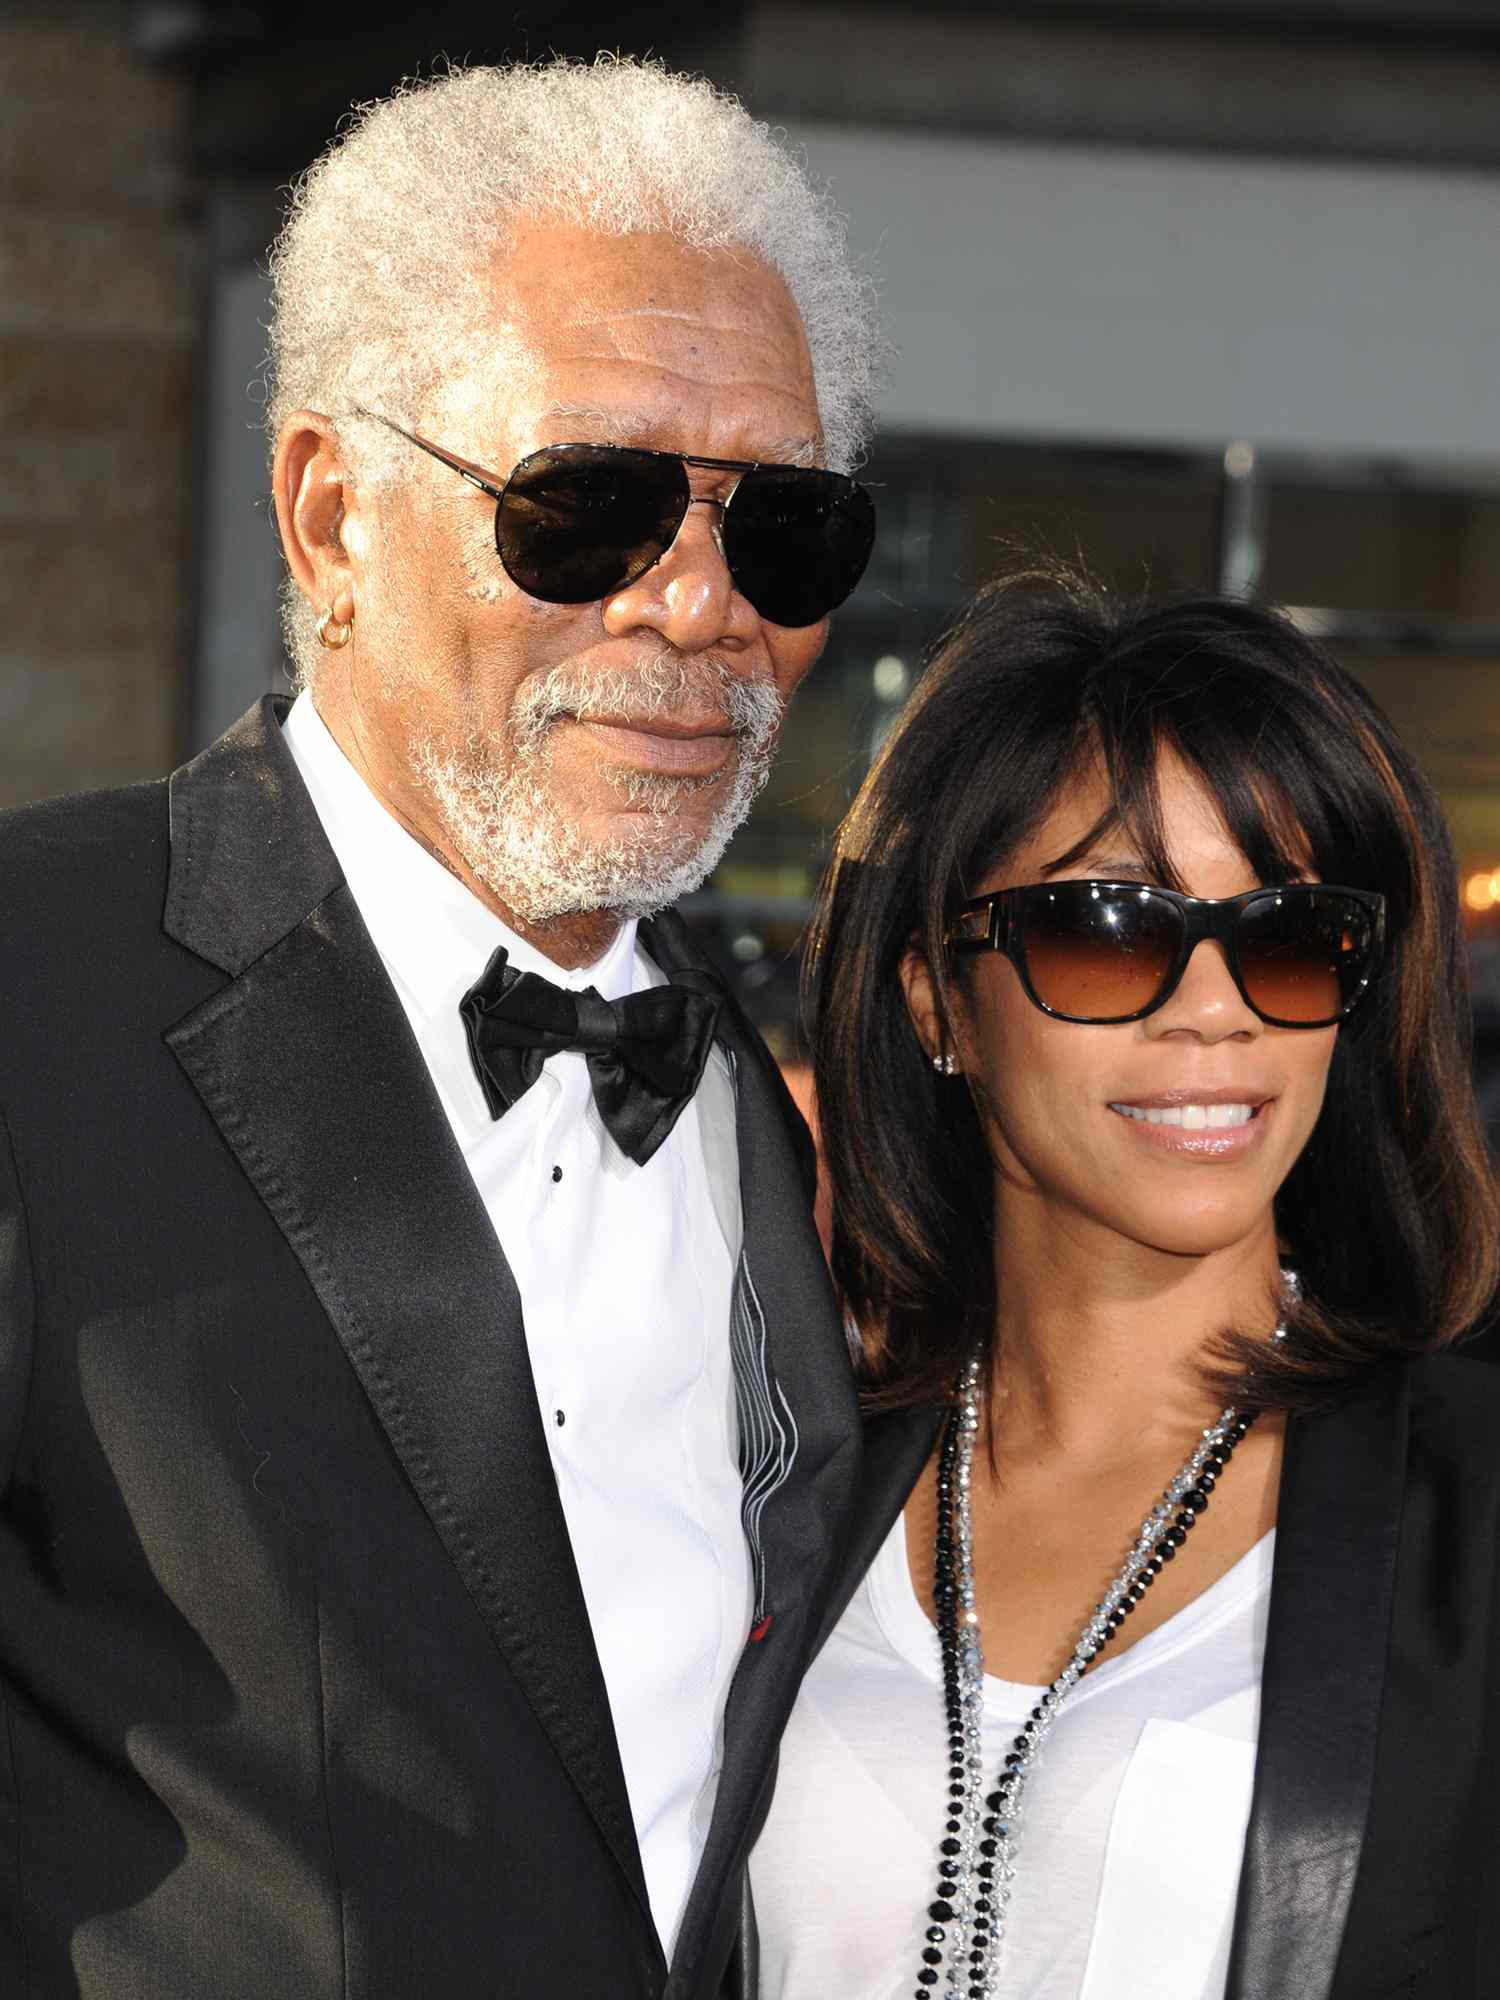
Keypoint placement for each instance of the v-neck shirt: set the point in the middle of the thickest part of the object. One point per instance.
(1129, 1858)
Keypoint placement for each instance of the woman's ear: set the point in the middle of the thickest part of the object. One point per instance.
(922, 1004)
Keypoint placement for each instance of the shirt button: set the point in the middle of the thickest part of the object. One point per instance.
(559, 1417)
(557, 1173)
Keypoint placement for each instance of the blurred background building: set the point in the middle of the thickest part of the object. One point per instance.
(1204, 289)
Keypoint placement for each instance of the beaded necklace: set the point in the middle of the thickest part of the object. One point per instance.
(976, 1856)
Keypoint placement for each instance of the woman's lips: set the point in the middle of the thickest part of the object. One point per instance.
(666, 747)
(1215, 1126)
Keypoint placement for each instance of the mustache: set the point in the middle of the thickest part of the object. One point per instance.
(668, 684)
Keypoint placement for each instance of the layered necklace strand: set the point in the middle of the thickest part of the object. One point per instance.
(976, 1856)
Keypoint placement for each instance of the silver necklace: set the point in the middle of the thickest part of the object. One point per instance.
(967, 1919)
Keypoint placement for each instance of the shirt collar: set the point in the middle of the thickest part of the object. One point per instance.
(433, 934)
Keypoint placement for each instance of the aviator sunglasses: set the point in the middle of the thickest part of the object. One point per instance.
(577, 522)
(1302, 955)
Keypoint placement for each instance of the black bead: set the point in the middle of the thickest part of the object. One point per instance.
(932, 1957)
(935, 1934)
(951, 1825)
(994, 1801)
(988, 1848)
(927, 1976)
(1167, 1547)
(940, 1912)
(950, 1847)
(955, 1791)
(984, 1870)
(1175, 1537)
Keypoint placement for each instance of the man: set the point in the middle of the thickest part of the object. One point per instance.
(425, 1430)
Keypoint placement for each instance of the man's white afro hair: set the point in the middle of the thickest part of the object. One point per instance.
(380, 269)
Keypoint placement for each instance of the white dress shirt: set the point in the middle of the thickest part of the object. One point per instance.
(1129, 1863)
(626, 1275)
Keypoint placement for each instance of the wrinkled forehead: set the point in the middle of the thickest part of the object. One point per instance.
(637, 339)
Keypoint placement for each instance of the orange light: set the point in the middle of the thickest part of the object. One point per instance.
(1482, 891)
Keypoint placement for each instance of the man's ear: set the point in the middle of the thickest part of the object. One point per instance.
(314, 495)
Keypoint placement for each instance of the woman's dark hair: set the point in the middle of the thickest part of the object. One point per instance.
(1391, 1213)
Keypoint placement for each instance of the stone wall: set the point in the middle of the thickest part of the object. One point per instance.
(97, 339)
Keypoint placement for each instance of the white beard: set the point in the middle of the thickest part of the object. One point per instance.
(540, 864)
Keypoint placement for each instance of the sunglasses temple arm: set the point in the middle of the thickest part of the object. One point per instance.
(465, 468)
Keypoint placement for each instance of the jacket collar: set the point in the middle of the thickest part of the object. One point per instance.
(249, 859)
(306, 1063)
(807, 1518)
(1327, 1645)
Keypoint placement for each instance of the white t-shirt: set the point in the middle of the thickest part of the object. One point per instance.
(1129, 1859)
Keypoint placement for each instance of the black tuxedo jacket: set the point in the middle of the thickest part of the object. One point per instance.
(1372, 1858)
(298, 1695)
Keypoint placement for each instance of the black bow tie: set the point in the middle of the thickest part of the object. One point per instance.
(645, 1053)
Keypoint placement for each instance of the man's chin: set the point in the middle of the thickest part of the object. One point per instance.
(629, 864)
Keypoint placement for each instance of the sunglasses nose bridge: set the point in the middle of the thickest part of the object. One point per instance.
(1201, 994)
(687, 593)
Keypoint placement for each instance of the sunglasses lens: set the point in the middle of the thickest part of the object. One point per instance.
(579, 521)
(1100, 954)
(797, 541)
(1304, 953)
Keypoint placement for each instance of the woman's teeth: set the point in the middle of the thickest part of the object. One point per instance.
(1192, 1117)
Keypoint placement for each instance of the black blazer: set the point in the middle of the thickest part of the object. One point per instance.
(298, 1695)
(1372, 1859)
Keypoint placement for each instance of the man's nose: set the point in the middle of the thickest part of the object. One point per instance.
(688, 598)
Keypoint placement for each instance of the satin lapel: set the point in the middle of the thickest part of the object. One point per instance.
(1332, 1590)
(806, 1520)
(307, 1064)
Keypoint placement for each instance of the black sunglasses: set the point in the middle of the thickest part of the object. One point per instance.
(577, 522)
(1302, 955)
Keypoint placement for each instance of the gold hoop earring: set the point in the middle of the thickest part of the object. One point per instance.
(333, 632)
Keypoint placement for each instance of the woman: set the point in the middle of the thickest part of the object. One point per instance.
(1158, 1196)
